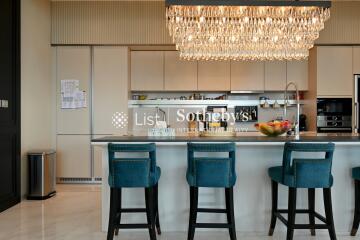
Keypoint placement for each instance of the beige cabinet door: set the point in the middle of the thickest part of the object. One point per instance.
(73, 156)
(110, 89)
(180, 75)
(214, 75)
(297, 72)
(334, 71)
(147, 70)
(247, 76)
(275, 76)
(97, 152)
(73, 63)
(356, 60)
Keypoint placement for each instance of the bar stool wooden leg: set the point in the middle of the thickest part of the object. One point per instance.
(311, 202)
(357, 209)
(292, 214)
(118, 211)
(229, 195)
(194, 194)
(274, 198)
(329, 213)
(112, 213)
(150, 211)
(157, 220)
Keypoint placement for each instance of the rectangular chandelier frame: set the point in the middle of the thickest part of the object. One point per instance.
(264, 3)
(245, 29)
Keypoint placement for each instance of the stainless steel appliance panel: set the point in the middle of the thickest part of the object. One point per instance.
(334, 114)
(356, 104)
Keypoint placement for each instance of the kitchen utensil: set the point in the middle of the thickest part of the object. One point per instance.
(265, 104)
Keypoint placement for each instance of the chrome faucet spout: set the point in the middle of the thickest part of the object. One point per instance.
(286, 100)
(163, 112)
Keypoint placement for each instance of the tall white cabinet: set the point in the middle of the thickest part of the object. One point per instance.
(110, 94)
(110, 91)
(103, 74)
(73, 63)
(73, 125)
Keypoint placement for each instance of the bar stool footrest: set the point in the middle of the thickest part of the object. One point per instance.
(132, 210)
(211, 210)
(309, 226)
(132, 226)
(212, 225)
(301, 211)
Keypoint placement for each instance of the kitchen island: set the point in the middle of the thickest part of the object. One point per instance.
(252, 192)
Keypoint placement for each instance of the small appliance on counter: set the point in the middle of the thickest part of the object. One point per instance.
(42, 174)
(214, 118)
(212, 122)
(246, 113)
(302, 123)
(334, 115)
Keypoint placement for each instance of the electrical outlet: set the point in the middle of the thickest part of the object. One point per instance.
(4, 103)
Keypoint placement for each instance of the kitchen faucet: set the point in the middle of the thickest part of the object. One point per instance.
(286, 100)
(163, 112)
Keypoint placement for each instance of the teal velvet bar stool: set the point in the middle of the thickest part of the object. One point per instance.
(310, 173)
(131, 172)
(356, 177)
(211, 172)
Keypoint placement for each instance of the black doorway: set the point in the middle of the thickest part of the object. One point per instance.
(9, 103)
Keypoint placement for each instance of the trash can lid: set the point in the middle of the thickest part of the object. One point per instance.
(41, 152)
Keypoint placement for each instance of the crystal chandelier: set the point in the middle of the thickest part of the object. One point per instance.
(245, 29)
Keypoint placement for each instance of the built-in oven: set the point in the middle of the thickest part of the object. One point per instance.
(334, 114)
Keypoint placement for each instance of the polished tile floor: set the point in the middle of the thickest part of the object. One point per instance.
(75, 214)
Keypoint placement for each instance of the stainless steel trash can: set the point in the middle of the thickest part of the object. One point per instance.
(42, 174)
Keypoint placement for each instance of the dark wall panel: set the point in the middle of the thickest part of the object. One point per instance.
(10, 92)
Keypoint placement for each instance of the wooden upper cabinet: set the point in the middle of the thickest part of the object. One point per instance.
(147, 70)
(247, 76)
(356, 60)
(180, 75)
(214, 75)
(275, 76)
(334, 71)
(297, 71)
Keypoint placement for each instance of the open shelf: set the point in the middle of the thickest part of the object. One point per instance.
(199, 103)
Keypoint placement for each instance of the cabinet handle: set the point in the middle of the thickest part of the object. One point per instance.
(356, 117)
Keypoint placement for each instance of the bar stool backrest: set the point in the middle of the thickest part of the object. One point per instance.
(212, 171)
(308, 172)
(131, 171)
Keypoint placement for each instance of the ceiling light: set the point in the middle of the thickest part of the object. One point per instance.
(245, 29)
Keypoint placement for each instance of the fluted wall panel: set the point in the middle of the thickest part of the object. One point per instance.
(109, 22)
(143, 23)
(344, 24)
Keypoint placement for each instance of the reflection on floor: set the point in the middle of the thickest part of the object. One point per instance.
(75, 214)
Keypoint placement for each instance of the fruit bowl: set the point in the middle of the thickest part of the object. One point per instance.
(273, 128)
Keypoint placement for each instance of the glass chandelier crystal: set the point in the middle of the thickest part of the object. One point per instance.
(252, 32)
